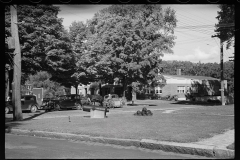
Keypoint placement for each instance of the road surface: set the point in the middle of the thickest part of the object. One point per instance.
(27, 147)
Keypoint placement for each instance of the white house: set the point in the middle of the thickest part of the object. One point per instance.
(82, 90)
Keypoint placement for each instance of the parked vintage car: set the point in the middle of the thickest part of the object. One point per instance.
(44, 102)
(95, 98)
(50, 104)
(112, 101)
(85, 100)
(70, 102)
(28, 102)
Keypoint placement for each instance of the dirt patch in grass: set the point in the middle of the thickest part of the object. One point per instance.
(180, 127)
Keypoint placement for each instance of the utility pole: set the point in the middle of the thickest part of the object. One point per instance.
(16, 93)
(221, 27)
(221, 66)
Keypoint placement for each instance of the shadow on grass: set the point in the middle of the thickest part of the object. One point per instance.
(197, 103)
(141, 104)
(10, 123)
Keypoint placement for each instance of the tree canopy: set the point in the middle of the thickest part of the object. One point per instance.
(226, 16)
(77, 35)
(45, 45)
(127, 41)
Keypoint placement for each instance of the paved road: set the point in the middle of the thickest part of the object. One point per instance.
(25, 147)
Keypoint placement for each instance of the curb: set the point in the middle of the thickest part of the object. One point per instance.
(183, 148)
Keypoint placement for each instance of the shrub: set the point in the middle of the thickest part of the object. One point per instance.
(96, 98)
(142, 96)
(144, 112)
(165, 97)
(213, 101)
(154, 96)
(174, 97)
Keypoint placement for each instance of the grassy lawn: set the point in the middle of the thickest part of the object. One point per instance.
(185, 125)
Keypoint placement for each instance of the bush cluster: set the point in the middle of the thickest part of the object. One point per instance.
(170, 97)
(144, 112)
(213, 101)
(148, 96)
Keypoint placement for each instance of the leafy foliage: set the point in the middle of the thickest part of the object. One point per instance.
(126, 41)
(42, 80)
(225, 17)
(81, 73)
(45, 45)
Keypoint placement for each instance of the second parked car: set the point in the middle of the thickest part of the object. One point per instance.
(28, 102)
(70, 102)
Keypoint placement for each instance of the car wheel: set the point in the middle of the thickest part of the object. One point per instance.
(6, 110)
(33, 109)
(78, 107)
(57, 107)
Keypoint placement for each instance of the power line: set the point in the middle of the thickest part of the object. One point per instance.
(196, 26)
(190, 20)
(184, 33)
(194, 14)
(192, 41)
(200, 30)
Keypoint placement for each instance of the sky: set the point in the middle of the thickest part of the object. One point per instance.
(194, 29)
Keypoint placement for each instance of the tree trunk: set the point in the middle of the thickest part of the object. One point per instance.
(76, 86)
(100, 89)
(6, 84)
(124, 87)
(133, 95)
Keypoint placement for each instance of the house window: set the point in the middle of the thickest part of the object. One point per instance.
(148, 91)
(158, 90)
(188, 89)
(180, 89)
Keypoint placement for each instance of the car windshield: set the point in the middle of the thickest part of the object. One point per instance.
(28, 98)
(69, 97)
(77, 97)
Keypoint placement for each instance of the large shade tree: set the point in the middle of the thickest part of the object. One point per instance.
(224, 29)
(80, 74)
(45, 45)
(127, 41)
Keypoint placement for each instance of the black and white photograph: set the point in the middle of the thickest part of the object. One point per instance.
(119, 81)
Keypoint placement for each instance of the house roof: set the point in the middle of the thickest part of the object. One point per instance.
(191, 77)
